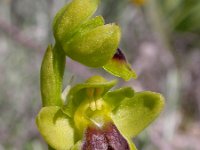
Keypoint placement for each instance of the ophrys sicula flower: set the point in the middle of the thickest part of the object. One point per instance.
(93, 111)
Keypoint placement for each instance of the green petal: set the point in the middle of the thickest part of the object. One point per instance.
(96, 47)
(114, 98)
(55, 127)
(119, 67)
(135, 114)
(78, 93)
(71, 16)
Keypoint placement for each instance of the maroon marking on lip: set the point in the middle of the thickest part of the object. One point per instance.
(119, 55)
(94, 140)
(115, 139)
(106, 138)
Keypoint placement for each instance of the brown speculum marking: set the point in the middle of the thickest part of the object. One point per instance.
(106, 138)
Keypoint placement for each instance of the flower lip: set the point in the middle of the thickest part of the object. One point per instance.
(119, 55)
(107, 138)
(120, 67)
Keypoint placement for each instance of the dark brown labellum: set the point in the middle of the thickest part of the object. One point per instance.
(119, 55)
(105, 138)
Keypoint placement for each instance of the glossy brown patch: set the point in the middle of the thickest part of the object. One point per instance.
(105, 138)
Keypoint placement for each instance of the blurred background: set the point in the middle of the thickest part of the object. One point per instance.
(161, 40)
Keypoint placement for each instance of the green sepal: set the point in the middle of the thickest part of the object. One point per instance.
(118, 66)
(51, 76)
(96, 47)
(71, 16)
(55, 127)
(131, 144)
(77, 146)
(114, 98)
(58, 16)
(136, 113)
(78, 93)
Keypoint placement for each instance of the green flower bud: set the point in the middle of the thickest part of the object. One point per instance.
(87, 26)
(83, 39)
(96, 47)
(70, 17)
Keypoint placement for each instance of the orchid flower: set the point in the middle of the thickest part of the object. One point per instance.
(82, 37)
(95, 118)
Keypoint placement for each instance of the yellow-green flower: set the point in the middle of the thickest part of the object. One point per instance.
(88, 39)
(94, 116)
